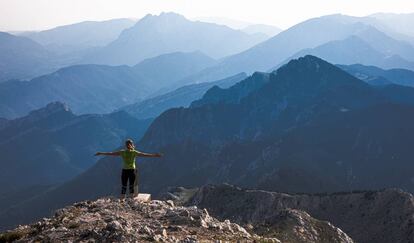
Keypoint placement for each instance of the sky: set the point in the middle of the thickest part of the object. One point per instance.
(17, 15)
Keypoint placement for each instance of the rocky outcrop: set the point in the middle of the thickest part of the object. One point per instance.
(112, 220)
(370, 216)
(297, 226)
(257, 214)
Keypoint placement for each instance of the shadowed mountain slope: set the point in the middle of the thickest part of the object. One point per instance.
(58, 145)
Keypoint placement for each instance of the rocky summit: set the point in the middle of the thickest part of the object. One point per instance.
(131, 220)
(112, 220)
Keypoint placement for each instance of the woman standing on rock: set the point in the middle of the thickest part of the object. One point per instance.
(129, 171)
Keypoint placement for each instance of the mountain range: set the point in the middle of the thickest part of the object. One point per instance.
(116, 42)
(377, 76)
(331, 30)
(307, 127)
(356, 49)
(181, 97)
(86, 88)
(26, 55)
(22, 58)
(166, 69)
(79, 36)
(400, 23)
(296, 124)
(241, 52)
(169, 32)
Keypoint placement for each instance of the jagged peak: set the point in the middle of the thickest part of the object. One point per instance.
(50, 109)
(168, 16)
(55, 106)
(171, 15)
(308, 62)
(311, 64)
(234, 93)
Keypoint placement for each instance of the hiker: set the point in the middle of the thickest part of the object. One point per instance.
(129, 171)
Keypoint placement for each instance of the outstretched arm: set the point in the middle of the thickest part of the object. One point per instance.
(116, 153)
(142, 154)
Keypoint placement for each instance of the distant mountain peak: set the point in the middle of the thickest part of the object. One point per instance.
(168, 32)
(171, 14)
(167, 16)
(57, 106)
(51, 108)
(311, 58)
(308, 62)
(310, 67)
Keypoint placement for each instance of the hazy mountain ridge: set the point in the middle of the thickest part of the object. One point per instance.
(181, 97)
(170, 32)
(86, 88)
(355, 50)
(81, 35)
(268, 30)
(278, 48)
(386, 44)
(374, 74)
(275, 50)
(234, 93)
(323, 30)
(398, 22)
(166, 69)
(23, 58)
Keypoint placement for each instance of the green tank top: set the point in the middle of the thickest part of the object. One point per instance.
(128, 156)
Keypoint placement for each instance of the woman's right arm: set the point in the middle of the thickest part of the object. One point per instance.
(116, 153)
